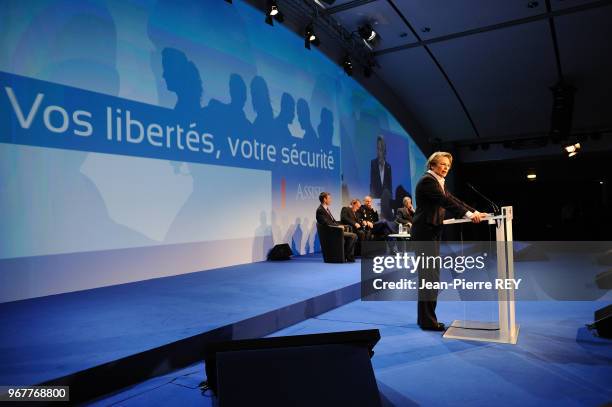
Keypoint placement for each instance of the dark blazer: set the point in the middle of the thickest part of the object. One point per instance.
(432, 203)
(368, 214)
(376, 187)
(404, 216)
(324, 218)
(348, 217)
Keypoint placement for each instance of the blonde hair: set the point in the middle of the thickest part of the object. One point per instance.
(435, 157)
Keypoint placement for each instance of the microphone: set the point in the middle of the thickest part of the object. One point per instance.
(496, 209)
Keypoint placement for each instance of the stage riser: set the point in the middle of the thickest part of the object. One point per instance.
(113, 376)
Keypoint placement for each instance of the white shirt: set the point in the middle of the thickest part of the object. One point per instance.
(441, 181)
(328, 211)
(381, 171)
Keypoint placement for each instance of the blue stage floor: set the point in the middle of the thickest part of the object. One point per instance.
(49, 337)
(555, 363)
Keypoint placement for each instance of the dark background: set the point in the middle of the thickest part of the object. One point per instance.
(566, 202)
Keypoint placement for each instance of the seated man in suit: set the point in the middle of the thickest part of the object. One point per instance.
(372, 221)
(325, 217)
(350, 216)
(404, 214)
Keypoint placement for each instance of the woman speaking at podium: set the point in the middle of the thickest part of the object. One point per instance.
(432, 201)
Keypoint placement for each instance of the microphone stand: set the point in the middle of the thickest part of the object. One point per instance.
(494, 206)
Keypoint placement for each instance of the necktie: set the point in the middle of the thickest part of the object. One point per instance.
(330, 214)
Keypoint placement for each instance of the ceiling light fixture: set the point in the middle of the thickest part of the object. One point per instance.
(273, 13)
(325, 3)
(367, 32)
(369, 36)
(347, 65)
(572, 149)
(310, 36)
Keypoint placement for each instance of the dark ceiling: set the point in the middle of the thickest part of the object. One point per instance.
(461, 73)
(482, 69)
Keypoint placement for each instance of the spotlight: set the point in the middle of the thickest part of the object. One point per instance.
(325, 3)
(368, 35)
(273, 9)
(367, 32)
(572, 149)
(310, 37)
(531, 175)
(273, 13)
(347, 65)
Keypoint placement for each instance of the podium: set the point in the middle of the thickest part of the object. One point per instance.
(505, 330)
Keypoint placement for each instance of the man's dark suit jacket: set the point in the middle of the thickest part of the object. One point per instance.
(377, 187)
(404, 216)
(348, 217)
(324, 217)
(432, 203)
(368, 214)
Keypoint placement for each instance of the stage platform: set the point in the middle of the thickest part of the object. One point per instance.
(140, 344)
(156, 326)
(556, 362)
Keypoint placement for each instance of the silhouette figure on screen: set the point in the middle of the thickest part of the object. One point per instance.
(223, 120)
(345, 191)
(183, 78)
(326, 128)
(263, 240)
(313, 238)
(307, 236)
(303, 114)
(275, 228)
(296, 238)
(263, 126)
(285, 117)
(54, 213)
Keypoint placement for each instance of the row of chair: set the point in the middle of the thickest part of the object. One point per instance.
(332, 242)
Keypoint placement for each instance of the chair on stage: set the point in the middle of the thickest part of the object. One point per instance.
(332, 243)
